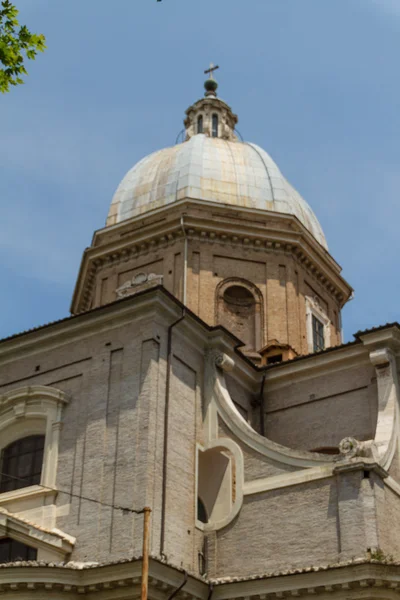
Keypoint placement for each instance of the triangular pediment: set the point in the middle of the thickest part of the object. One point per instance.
(53, 542)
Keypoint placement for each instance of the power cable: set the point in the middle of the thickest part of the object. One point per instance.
(80, 496)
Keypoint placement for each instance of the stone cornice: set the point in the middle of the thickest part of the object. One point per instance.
(334, 359)
(305, 367)
(388, 337)
(122, 580)
(261, 231)
(152, 303)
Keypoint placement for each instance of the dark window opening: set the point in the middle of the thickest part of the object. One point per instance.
(13, 551)
(274, 359)
(200, 124)
(201, 511)
(238, 297)
(318, 334)
(21, 463)
(215, 126)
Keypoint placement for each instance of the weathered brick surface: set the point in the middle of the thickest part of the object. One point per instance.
(320, 411)
(295, 526)
(283, 281)
(112, 442)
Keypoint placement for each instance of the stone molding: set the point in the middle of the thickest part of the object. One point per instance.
(220, 403)
(387, 427)
(295, 241)
(56, 543)
(33, 410)
(360, 578)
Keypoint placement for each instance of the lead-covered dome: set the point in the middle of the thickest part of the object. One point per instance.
(211, 165)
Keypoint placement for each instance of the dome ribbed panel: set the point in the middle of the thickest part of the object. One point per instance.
(212, 169)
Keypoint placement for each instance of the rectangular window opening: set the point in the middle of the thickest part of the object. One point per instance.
(318, 334)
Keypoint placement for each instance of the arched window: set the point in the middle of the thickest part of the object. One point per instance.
(214, 125)
(238, 313)
(12, 551)
(21, 463)
(200, 124)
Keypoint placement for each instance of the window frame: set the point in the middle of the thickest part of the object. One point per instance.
(314, 309)
(15, 452)
(200, 119)
(33, 410)
(214, 131)
(318, 334)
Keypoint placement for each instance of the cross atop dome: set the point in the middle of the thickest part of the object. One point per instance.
(211, 70)
(210, 84)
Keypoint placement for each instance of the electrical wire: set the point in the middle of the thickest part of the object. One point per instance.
(80, 496)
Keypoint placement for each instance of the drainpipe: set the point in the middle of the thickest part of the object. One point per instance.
(210, 591)
(166, 418)
(261, 402)
(185, 259)
(178, 589)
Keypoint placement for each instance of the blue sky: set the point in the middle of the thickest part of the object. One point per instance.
(314, 82)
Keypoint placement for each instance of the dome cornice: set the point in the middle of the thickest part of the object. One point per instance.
(252, 229)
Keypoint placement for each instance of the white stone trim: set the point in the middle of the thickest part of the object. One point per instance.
(219, 403)
(313, 308)
(51, 545)
(387, 426)
(266, 484)
(33, 410)
(234, 508)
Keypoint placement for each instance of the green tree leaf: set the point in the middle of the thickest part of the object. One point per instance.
(17, 44)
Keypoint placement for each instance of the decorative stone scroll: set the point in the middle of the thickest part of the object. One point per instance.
(224, 362)
(139, 282)
(349, 447)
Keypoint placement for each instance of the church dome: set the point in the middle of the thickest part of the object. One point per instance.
(210, 166)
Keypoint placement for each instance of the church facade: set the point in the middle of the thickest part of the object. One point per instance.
(202, 374)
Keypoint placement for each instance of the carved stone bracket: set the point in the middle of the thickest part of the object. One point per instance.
(138, 283)
(224, 362)
(349, 447)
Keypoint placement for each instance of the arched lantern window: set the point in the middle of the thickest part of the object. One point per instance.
(200, 124)
(214, 125)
